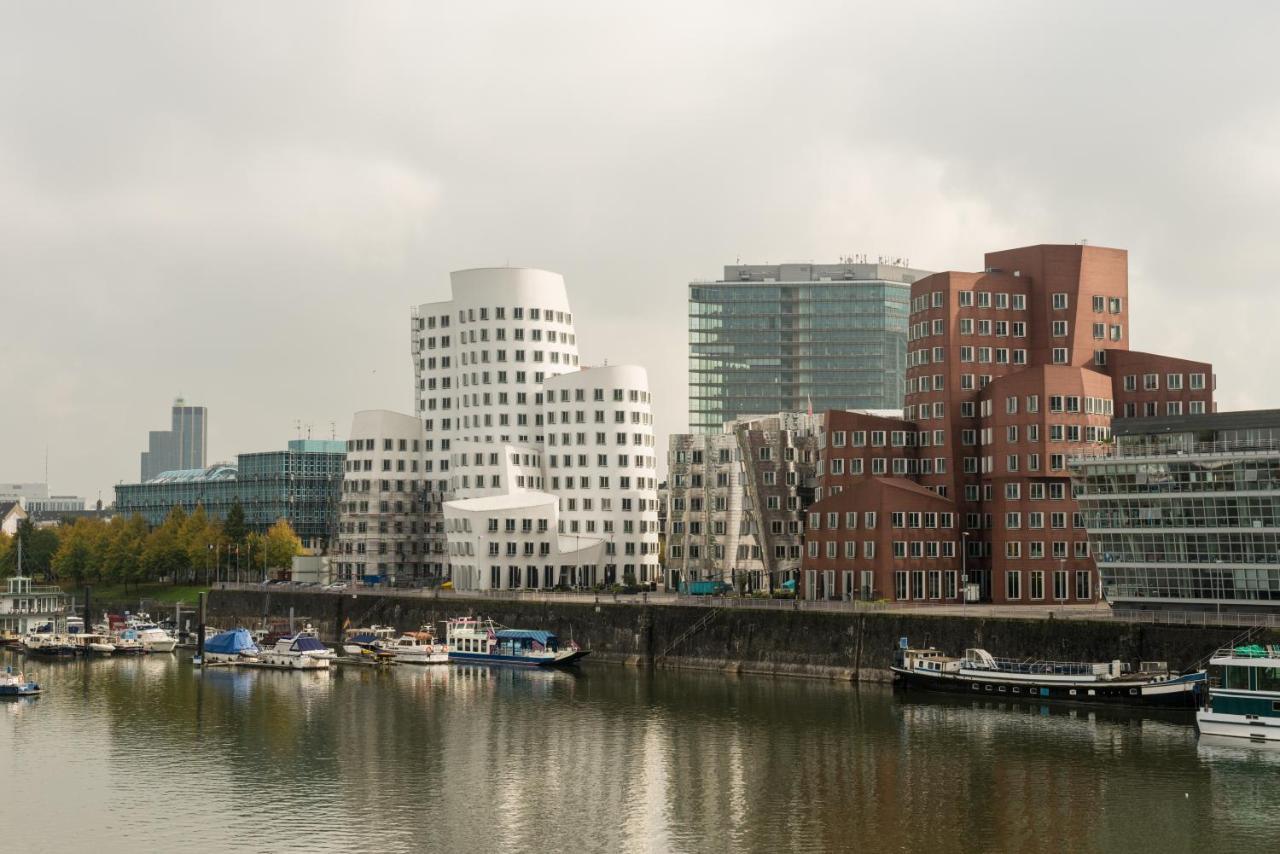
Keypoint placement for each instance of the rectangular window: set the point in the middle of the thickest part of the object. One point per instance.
(1060, 301)
(1013, 584)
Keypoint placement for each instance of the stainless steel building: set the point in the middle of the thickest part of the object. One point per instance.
(737, 500)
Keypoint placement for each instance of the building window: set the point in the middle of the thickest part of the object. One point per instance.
(1013, 584)
(1060, 301)
(1060, 355)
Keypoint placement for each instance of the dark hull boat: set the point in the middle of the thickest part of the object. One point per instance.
(979, 673)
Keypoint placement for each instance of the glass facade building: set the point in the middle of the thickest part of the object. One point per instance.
(302, 484)
(790, 337)
(1185, 511)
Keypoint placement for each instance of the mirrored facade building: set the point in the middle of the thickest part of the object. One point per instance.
(301, 484)
(1184, 512)
(797, 337)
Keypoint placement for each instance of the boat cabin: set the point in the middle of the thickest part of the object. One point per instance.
(1250, 681)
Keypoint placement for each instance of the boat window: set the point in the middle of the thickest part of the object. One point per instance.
(1268, 678)
(1236, 677)
(1275, 706)
(1017, 690)
(988, 687)
(975, 686)
(1133, 691)
(1002, 688)
(1073, 692)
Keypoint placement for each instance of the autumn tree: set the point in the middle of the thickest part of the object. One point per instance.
(281, 544)
(164, 553)
(81, 550)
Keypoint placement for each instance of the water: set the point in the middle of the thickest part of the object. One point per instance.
(144, 754)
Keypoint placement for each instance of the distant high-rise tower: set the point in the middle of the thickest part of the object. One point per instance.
(180, 447)
(773, 338)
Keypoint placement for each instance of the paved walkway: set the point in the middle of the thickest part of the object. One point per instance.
(1097, 611)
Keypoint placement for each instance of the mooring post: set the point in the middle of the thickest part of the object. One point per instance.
(88, 623)
(200, 630)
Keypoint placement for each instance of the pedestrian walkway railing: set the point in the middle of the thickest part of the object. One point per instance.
(1050, 611)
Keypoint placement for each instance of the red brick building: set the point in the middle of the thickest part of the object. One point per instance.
(1009, 373)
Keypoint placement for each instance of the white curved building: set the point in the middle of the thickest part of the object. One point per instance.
(384, 512)
(506, 413)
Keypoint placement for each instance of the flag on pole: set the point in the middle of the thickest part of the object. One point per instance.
(810, 400)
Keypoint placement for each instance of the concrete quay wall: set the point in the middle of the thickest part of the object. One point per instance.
(848, 646)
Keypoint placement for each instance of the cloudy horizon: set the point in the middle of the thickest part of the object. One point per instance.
(239, 204)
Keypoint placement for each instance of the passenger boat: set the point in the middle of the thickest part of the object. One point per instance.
(17, 685)
(418, 647)
(230, 647)
(300, 652)
(358, 641)
(1246, 703)
(482, 641)
(979, 673)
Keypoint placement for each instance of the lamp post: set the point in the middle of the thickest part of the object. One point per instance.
(964, 570)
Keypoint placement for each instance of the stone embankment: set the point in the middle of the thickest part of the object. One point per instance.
(847, 646)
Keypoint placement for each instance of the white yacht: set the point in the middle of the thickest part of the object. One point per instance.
(358, 641)
(155, 639)
(418, 647)
(300, 652)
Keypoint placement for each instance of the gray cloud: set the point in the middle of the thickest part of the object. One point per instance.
(239, 202)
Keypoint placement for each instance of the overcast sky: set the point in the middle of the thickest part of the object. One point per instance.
(240, 201)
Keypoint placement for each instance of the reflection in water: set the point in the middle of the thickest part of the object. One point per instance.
(150, 753)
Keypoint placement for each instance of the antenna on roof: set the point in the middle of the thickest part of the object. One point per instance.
(333, 430)
(297, 425)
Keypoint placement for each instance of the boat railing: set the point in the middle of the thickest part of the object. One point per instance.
(1246, 653)
(1040, 666)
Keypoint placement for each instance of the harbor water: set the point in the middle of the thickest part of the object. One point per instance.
(148, 754)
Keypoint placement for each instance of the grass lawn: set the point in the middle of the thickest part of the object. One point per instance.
(159, 593)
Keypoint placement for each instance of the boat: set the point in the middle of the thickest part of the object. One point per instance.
(155, 639)
(979, 673)
(418, 647)
(128, 642)
(230, 647)
(91, 643)
(43, 640)
(17, 685)
(482, 641)
(300, 652)
(362, 640)
(1246, 702)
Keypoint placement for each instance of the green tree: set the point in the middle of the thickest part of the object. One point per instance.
(80, 550)
(123, 553)
(280, 545)
(199, 535)
(38, 548)
(6, 554)
(233, 527)
(165, 554)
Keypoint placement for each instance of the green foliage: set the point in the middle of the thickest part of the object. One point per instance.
(38, 548)
(81, 551)
(233, 528)
(7, 553)
(280, 545)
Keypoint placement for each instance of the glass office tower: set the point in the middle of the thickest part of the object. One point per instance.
(787, 337)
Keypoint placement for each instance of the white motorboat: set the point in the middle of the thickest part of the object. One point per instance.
(300, 652)
(128, 642)
(156, 639)
(16, 684)
(47, 642)
(418, 647)
(360, 641)
(230, 647)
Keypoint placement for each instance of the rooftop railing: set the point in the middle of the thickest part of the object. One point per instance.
(1160, 449)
